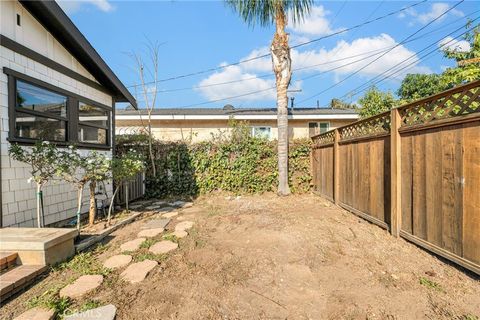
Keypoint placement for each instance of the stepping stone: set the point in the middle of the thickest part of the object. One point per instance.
(166, 209)
(81, 286)
(107, 312)
(136, 272)
(117, 261)
(132, 245)
(150, 233)
(163, 247)
(180, 233)
(160, 203)
(184, 225)
(157, 223)
(177, 204)
(36, 313)
(152, 208)
(135, 207)
(187, 205)
(170, 214)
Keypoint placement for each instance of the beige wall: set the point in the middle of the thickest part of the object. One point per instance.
(18, 196)
(200, 130)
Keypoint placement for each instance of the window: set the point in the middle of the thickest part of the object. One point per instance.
(93, 123)
(315, 128)
(40, 111)
(262, 132)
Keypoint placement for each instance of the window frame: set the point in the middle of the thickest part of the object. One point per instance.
(318, 125)
(252, 133)
(72, 119)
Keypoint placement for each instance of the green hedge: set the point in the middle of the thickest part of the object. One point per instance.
(238, 165)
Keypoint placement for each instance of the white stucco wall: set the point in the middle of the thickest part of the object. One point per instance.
(18, 196)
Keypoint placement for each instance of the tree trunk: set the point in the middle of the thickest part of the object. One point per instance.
(79, 205)
(39, 216)
(126, 195)
(109, 218)
(93, 207)
(150, 147)
(283, 74)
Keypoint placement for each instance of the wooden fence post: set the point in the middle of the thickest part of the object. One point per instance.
(336, 169)
(395, 174)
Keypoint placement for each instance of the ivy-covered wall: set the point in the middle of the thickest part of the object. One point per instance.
(239, 164)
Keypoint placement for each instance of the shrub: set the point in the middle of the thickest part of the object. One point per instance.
(238, 163)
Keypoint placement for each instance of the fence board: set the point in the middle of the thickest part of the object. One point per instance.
(437, 172)
(433, 205)
(471, 221)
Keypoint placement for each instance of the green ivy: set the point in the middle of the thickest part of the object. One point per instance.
(238, 165)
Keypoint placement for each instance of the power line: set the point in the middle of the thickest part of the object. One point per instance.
(376, 59)
(323, 72)
(401, 68)
(295, 46)
(318, 64)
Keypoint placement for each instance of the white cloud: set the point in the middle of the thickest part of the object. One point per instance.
(315, 24)
(451, 44)
(72, 6)
(436, 10)
(363, 47)
(314, 62)
(234, 73)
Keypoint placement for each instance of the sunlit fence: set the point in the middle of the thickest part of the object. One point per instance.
(414, 171)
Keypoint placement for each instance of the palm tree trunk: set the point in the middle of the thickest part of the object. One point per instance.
(93, 207)
(283, 73)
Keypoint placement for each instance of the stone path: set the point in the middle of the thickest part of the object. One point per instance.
(157, 223)
(184, 225)
(118, 261)
(107, 312)
(136, 272)
(180, 233)
(163, 247)
(36, 314)
(81, 286)
(132, 245)
(150, 233)
(170, 214)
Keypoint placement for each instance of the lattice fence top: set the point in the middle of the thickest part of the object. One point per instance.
(459, 101)
(376, 125)
(324, 138)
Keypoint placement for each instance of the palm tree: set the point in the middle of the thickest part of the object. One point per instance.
(268, 12)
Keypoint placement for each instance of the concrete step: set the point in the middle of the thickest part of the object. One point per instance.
(18, 278)
(7, 260)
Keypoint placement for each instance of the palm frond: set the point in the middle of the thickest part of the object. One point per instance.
(265, 11)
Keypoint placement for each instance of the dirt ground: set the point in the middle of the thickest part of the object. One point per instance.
(297, 257)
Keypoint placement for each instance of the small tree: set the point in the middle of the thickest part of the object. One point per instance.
(80, 170)
(97, 168)
(72, 166)
(124, 169)
(374, 102)
(43, 160)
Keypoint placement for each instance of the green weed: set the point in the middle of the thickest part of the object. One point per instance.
(148, 243)
(84, 263)
(430, 284)
(50, 299)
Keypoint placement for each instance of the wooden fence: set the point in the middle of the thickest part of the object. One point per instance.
(414, 171)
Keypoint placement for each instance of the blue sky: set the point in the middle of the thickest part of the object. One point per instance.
(199, 35)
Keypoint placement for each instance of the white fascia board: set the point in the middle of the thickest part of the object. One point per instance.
(239, 117)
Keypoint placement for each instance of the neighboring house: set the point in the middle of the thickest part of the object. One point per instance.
(197, 124)
(53, 86)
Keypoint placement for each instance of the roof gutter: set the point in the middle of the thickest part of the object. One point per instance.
(52, 17)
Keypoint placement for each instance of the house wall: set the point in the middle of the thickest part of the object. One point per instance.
(18, 196)
(201, 130)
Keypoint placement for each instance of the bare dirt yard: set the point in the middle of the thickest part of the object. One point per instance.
(264, 257)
